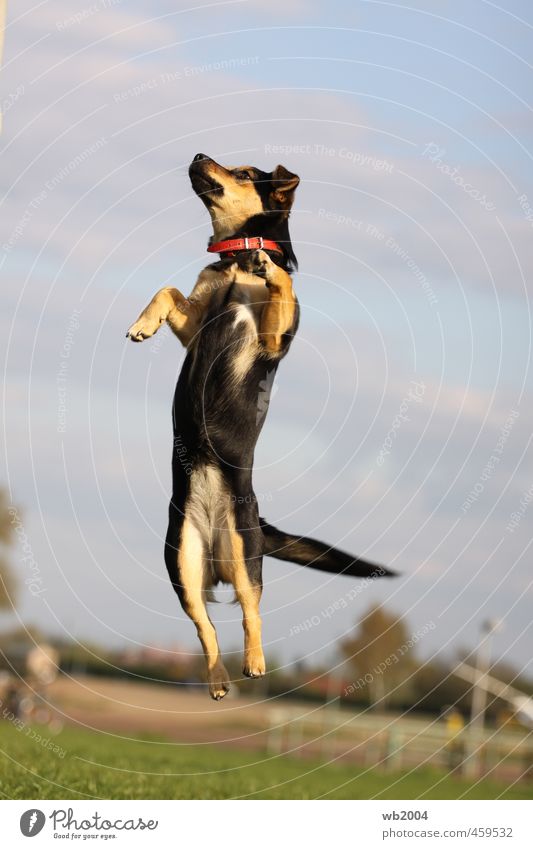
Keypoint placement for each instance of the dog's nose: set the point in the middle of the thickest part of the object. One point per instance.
(200, 156)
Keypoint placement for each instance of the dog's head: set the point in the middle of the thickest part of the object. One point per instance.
(245, 200)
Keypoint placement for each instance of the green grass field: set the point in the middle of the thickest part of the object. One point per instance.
(103, 766)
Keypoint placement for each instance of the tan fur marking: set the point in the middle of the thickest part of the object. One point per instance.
(248, 597)
(237, 204)
(192, 569)
(182, 315)
(277, 314)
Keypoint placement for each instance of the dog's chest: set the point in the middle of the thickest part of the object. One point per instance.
(246, 306)
(248, 298)
(243, 305)
(228, 345)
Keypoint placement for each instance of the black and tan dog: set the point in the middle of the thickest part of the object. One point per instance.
(237, 325)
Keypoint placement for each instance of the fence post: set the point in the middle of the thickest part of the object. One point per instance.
(393, 760)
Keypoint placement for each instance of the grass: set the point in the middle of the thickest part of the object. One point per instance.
(104, 766)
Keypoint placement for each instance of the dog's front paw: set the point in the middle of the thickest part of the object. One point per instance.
(143, 328)
(259, 263)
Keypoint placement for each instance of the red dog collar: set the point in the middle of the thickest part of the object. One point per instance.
(231, 246)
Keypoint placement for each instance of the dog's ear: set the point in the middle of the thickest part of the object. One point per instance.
(284, 185)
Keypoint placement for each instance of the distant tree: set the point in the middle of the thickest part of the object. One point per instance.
(381, 656)
(7, 534)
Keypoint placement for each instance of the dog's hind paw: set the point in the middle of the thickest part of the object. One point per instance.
(254, 665)
(218, 683)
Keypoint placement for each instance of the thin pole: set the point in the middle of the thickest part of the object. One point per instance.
(479, 696)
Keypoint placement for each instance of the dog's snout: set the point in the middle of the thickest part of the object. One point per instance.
(200, 156)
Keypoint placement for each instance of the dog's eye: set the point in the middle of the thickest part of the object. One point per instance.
(242, 175)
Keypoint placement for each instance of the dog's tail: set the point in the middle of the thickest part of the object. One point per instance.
(318, 555)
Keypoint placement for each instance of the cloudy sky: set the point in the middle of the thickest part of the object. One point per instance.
(401, 424)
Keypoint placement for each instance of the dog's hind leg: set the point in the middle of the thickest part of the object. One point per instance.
(246, 578)
(190, 581)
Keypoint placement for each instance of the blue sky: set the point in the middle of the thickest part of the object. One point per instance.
(411, 130)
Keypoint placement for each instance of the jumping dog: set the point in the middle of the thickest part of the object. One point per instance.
(237, 325)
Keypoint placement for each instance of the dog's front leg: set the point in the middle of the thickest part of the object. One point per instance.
(181, 314)
(279, 311)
